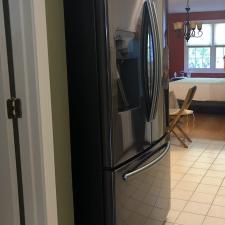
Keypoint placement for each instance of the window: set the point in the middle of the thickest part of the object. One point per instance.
(205, 54)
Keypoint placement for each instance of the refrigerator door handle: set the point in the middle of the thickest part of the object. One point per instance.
(151, 79)
(146, 23)
(157, 80)
(134, 172)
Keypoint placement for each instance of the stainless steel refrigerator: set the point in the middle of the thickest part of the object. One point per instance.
(118, 99)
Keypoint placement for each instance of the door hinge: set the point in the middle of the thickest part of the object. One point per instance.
(14, 108)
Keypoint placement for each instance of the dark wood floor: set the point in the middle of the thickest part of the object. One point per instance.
(207, 126)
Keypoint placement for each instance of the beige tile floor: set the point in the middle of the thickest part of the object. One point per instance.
(198, 183)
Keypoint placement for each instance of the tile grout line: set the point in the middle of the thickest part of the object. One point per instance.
(218, 188)
(193, 191)
(203, 176)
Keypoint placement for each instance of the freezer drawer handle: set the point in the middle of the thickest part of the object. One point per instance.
(127, 175)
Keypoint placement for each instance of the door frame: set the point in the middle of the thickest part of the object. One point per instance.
(32, 78)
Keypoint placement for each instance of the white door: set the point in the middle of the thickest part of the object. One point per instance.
(27, 173)
(9, 202)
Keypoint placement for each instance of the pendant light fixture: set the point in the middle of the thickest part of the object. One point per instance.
(189, 28)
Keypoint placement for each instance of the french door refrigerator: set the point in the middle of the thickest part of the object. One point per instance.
(118, 111)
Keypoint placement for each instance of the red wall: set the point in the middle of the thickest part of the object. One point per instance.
(176, 44)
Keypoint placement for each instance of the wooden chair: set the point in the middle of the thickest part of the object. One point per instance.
(177, 114)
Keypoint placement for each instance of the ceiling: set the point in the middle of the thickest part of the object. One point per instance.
(176, 6)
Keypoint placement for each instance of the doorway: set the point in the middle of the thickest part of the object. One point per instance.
(198, 171)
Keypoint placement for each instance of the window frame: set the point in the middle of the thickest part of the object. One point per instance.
(212, 47)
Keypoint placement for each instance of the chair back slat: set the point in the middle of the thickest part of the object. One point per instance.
(185, 105)
(189, 97)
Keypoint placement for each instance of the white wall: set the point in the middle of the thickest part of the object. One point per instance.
(60, 111)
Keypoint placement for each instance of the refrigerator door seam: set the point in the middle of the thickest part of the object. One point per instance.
(138, 155)
(129, 174)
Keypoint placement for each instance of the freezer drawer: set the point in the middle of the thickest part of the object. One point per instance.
(140, 191)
